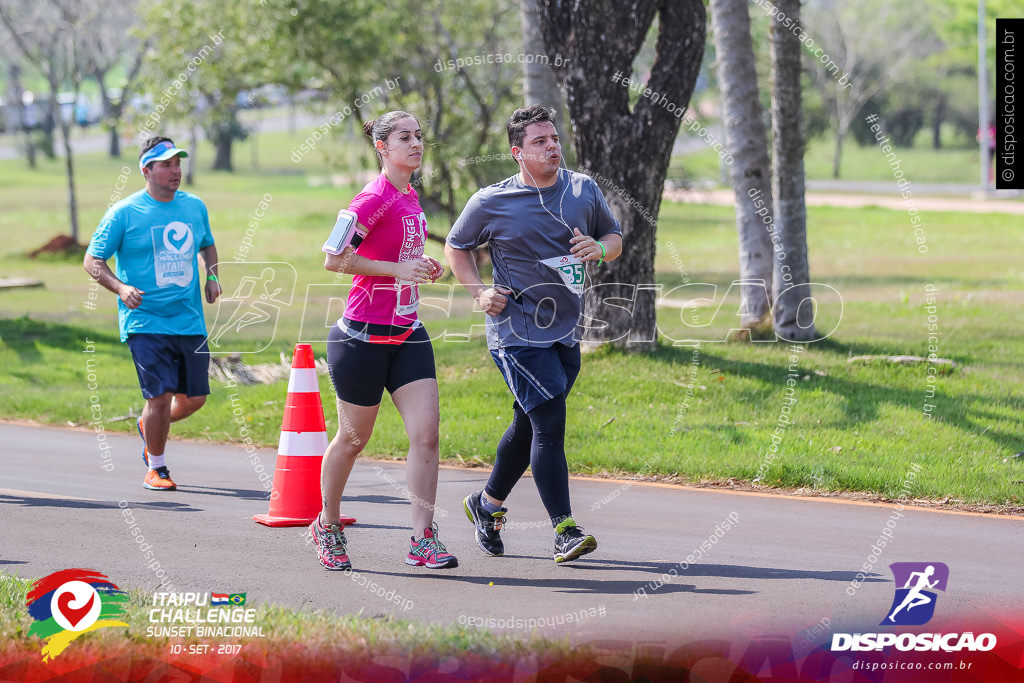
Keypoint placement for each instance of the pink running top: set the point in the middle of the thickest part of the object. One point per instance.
(397, 232)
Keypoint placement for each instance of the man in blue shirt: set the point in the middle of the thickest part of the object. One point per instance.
(156, 235)
(542, 226)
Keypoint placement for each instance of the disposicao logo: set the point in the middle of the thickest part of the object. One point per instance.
(72, 602)
(914, 605)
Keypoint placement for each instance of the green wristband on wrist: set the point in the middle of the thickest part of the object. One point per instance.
(604, 252)
(212, 277)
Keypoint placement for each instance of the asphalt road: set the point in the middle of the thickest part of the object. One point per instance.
(784, 566)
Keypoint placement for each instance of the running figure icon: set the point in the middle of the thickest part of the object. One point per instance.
(916, 598)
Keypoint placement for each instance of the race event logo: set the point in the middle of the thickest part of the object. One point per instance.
(914, 603)
(202, 615)
(173, 254)
(70, 603)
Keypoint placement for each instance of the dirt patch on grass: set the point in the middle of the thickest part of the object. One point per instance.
(61, 245)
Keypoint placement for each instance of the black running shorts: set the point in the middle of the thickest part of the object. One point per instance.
(364, 359)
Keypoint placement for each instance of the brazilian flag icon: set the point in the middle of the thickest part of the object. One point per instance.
(237, 599)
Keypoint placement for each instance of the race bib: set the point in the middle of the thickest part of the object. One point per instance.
(571, 269)
(408, 298)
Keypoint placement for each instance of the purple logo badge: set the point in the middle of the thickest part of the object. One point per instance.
(916, 583)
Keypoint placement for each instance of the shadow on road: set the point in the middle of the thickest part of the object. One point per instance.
(365, 525)
(242, 494)
(571, 584)
(40, 501)
(727, 571)
(574, 582)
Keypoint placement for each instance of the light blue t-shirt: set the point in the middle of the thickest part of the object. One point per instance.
(156, 245)
(528, 230)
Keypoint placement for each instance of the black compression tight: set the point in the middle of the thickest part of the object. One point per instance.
(535, 439)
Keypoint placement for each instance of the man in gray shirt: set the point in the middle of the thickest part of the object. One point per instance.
(542, 225)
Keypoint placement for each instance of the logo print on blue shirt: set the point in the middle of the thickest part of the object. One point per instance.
(173, 254)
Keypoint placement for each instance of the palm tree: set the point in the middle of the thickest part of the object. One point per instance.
(748, 144)
(792, 321)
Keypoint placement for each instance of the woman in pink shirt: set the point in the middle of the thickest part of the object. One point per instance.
(379, 344)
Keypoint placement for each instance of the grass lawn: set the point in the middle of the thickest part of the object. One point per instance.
(864, 163)
(704, 415)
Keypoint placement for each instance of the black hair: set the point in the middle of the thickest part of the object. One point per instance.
(523, 117)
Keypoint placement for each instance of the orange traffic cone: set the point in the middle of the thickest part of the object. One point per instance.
(295, 498)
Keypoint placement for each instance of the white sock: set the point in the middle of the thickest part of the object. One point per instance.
(155, 461)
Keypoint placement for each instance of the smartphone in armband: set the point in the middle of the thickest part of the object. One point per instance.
(346, 233)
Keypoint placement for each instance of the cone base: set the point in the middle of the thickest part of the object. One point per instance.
(268, 520)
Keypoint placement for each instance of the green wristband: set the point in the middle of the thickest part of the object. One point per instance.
(604, 252)
(212, 277)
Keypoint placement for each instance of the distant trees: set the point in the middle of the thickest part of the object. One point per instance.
(872, 44)
(453, 65)
(49, 34)
(118, 41)
(206, 53)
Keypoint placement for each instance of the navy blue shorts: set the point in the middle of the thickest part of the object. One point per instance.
(365, 359)
(171, 363)
(538, 374)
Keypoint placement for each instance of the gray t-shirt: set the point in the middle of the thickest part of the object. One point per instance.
(523, 226)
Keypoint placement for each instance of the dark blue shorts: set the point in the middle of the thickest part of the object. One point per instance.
(178, 364)
(365, 359)
(538, 374)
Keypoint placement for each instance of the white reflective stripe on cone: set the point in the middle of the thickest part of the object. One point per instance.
(303, 380)
(302, 443)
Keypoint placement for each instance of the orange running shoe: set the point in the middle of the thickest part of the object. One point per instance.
(159, 480)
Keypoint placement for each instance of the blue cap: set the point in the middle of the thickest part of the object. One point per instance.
(160, 152)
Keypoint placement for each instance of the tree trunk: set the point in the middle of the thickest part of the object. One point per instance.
(193, 150)
(51, 120)
(30, 145)
(222, 130)
(69, 166)
(115, 141)
(938, 116)
(109, 114)
(838, 153)
(793, 314)
(222, 158)
(254, 138)
(747, 142)
(540, 82)
(15, 91)
(540, 85)
(626, 152)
